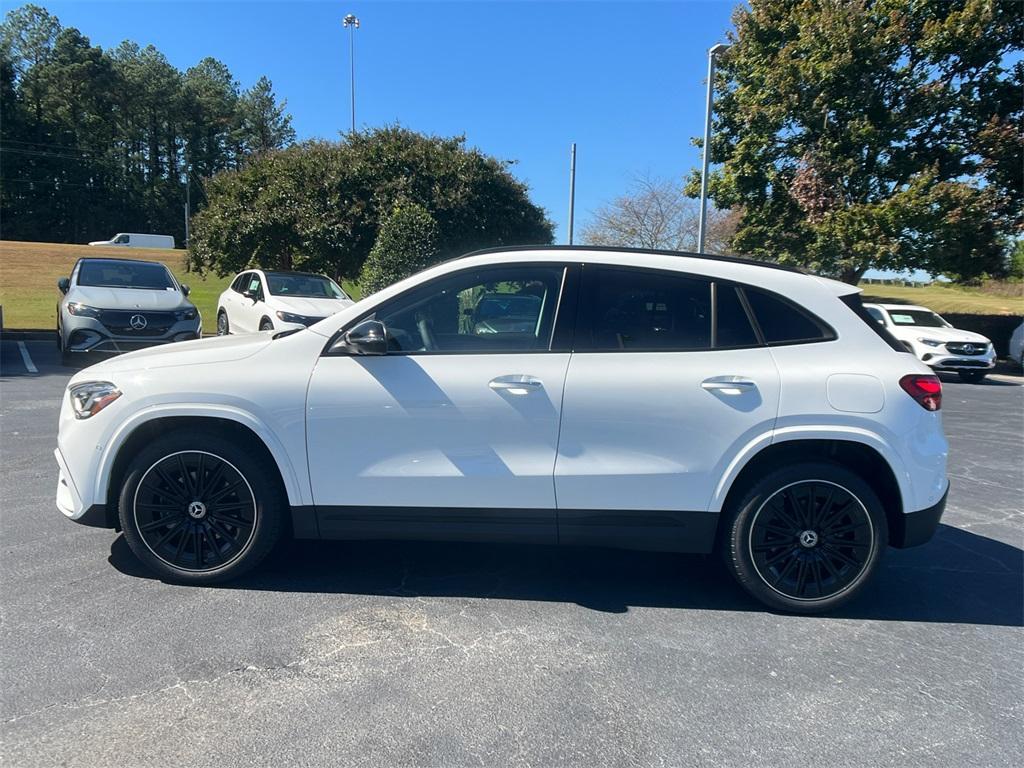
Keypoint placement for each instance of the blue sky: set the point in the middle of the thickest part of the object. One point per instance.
(522, 80)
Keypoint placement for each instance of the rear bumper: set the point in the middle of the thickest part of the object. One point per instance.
(915, 528)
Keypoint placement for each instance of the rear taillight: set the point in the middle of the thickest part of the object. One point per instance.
(927, 390)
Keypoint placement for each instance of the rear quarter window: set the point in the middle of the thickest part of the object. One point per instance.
(782, 322)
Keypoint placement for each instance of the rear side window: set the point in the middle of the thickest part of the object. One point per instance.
(644, 310)
(784, 323)
(237, 285)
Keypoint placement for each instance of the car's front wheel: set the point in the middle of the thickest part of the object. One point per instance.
(197, 508)
(972, 377)
(266, 324)
(806, 538)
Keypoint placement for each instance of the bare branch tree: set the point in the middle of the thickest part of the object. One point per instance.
(654, 213)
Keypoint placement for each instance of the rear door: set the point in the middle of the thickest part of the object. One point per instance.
(668, 381)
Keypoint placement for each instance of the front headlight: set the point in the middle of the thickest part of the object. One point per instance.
(289, 317)
(91, 397)
(78, 309)
(931, 342)
(185, 314)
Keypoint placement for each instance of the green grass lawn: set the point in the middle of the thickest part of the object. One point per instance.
(953, 300)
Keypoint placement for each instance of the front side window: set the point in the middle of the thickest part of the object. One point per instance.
(628, 309)
(253, 286)
(876, 314)
(784, 323)
(125, 274)
(304, 286)
(497, 309)
(121, 240)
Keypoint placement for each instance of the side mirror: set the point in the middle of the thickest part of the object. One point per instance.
(249, 294)
(185, 290)
(370, 337)
(63, 284)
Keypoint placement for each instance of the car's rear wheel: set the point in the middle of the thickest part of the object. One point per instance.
(972, 377)
(806, 538)
(197, 508)
(222, 323)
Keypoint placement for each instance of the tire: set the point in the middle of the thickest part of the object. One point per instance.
(266, 324)
(972, 377)
(222, 323)
(189, 534)
(792, 562)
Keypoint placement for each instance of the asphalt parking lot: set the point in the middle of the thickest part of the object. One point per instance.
(434, 654)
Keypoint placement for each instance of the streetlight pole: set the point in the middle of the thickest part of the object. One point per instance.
(713, 53)
(572, 188)
(352, 23)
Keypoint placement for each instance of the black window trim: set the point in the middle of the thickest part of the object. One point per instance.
(569, 296)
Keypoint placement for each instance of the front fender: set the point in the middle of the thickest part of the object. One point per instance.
(298, 490)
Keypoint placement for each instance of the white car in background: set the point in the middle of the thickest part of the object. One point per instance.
(936, 342)
(1017, 345)
(258, 300)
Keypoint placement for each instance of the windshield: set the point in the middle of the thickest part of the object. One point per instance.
(921, 317)
(125, 274)
(305, 286)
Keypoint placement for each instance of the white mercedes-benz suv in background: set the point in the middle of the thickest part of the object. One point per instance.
(120, 305)
(277, 301)
(640, 399)
(936, 342)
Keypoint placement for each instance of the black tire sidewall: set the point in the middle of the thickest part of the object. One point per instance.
(271, 503)
(741, 517)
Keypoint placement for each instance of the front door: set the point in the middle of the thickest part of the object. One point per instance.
(667, 382)
(453, 433)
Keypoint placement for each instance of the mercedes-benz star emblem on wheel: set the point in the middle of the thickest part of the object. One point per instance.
(138, 322)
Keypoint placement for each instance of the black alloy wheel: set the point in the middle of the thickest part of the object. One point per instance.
(201, 506)
(195, 511)
(805, 538)
(811, 540)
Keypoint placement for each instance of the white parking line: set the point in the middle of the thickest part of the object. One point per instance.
(26, 358)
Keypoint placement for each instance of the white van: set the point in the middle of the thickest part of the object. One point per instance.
(135, 240)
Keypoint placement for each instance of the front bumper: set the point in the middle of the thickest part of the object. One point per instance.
(915, 528)
(70, 503)
(949, 361)
(85, 334)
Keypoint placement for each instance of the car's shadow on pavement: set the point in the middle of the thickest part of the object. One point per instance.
(959, 577)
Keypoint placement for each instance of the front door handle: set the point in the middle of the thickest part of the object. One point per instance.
(728, 385)
(515, 384)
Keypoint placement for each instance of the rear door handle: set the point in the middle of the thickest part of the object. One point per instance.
(728, 385)
(515, 384)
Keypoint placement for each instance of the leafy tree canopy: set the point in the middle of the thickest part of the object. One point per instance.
(319, 206)
(872, 133)
(406, 243)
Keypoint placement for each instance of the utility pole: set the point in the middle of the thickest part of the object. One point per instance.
(713, 53)
(352, 23)
(572, 188)
(188, 196)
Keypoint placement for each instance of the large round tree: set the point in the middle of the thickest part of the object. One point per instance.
(319, 206)
(872, 133)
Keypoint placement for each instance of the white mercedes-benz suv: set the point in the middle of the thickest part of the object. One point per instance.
(936, 342)
(639, 399)
(277, 301)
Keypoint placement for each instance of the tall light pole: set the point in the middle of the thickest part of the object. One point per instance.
(352, 23)
(572, 188)
(713, 53)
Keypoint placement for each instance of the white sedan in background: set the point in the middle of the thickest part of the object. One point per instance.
(277, 301)
(935, 342)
